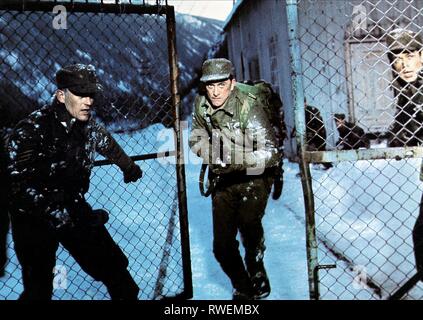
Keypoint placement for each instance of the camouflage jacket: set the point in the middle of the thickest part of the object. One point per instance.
(219, 137)
(51, 155)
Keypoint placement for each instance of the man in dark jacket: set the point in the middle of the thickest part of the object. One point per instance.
(51, 156)
(227, 124)
(406, 57)
(315, 131)
(351, 135)
(4, 210)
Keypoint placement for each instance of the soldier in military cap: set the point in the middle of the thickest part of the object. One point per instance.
(405, 55)
(51, 154)
(240, 194)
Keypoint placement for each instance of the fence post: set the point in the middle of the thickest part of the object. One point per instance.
(180, 166)
(299, 111)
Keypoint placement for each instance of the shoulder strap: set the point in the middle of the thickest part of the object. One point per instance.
(249, 94)
(244, 113)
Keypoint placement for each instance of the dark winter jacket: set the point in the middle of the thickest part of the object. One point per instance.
(4, 181)
(4, 210)
(315, 130)
(407, 128)
(51, 156)
(4, 177)
(210, 125)
(352, 136)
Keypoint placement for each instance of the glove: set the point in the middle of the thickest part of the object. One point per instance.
(59, 218)
(132, 174)
(98, 217)
(53, 205)
(82, 214)
(77, 207)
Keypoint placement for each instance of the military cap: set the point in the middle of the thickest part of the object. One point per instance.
(217, 69)
(402, 39)
(339, 116)
(78, 78)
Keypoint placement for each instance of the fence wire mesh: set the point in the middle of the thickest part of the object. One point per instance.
(130, 54)
(363, 99)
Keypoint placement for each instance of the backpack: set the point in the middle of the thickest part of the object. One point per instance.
(263, 92)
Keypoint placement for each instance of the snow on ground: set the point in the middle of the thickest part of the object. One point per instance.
(366, 211)
(364, 214)
(285, 257)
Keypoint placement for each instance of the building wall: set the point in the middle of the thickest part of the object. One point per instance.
(258, 47)
(326, 35)
(259, 32)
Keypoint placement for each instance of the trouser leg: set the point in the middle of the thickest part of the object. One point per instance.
(100, 257)
(252, 234)
(4, 229)
(225, 245)
(252, 209)
(418, 238)
(35, 247)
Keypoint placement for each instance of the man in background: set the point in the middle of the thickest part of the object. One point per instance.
(405, 56)
(351, 135)
(315, 132)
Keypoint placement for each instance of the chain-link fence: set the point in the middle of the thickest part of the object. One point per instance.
(132, 46)
(362, 136)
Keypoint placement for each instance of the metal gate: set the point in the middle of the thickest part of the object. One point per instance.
(132, 45)
(362, 192)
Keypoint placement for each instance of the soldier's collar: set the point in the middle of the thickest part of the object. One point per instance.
(413, 87)
(63, 116)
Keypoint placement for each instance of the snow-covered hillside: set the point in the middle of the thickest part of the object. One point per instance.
(129, 52)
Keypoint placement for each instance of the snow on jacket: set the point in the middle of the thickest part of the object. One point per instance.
(51, 155)
(249, 146)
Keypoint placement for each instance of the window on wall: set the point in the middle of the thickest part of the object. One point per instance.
(273, 59)
(254, 69)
